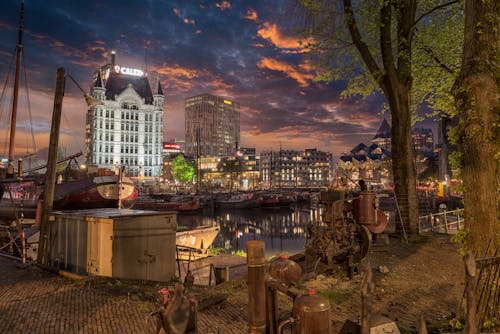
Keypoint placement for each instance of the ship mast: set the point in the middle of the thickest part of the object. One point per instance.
(19, 49)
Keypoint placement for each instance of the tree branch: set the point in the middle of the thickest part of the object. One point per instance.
(433, 10)
(367, 57)
(438, 61)
(386, 40)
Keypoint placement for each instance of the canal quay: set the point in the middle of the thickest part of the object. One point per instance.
(108, 268)
(35, 299)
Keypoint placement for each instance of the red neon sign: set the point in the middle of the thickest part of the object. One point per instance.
(172, 146)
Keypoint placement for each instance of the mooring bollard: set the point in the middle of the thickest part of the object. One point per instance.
(256, 262)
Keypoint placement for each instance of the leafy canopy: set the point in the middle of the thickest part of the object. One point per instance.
(436, 48)
(182, 170)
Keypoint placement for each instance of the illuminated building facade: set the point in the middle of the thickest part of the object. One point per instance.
(212, 126)
(291, 168)
(372, 162)
(423, 139)
(126, 130)
(240, 171)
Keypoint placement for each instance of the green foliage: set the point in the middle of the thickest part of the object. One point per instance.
(490, 324)
(216, 251)
(456, 324)
(333, 296)
(461, 238)
(456, 159)
(435, 59)
(241, 253)
(182, 170)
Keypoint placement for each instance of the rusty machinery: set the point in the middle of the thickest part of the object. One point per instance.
(310, 313)
(344, 234)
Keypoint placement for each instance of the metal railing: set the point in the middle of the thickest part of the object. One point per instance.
(449, 222)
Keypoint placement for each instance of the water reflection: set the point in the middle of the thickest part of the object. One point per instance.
(283, 230)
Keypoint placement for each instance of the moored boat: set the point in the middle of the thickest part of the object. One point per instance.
(238, 201)
(269, 201)
(89, 192)
(180, 204)
(194, 243)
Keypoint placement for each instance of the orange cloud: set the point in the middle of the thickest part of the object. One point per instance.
(272, 33)
(186, 20)
(184, 79)
(297, 138)
(177, 71)
(81, 56)
(251, 15)
(359, 118)
(258, 45)
(219, 87)
(223, 5)
(276, 65)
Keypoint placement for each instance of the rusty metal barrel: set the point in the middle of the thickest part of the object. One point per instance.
(256, 262)
(285, 270)
(312, 312)
(365, 209)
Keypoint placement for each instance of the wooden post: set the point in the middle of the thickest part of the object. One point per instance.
(256, 264)
(445, 222)
(367, 288)
(470, 292)
(50, 176)
(422, 327)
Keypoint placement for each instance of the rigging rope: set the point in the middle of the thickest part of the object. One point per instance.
(11, 66)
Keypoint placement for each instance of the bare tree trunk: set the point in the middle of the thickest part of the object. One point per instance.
(403, 168)
(476, 94)
(395, 79)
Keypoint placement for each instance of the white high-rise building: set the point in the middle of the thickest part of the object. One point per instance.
(126, 130)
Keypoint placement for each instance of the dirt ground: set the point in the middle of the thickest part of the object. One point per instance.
(423, 278)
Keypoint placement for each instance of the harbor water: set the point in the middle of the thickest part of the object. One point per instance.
(284, 230)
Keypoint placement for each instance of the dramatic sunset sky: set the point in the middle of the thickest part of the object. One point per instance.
(243, 50)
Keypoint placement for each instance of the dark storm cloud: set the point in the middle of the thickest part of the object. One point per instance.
(238, 49)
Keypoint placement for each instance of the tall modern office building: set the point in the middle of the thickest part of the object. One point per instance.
(126, 128)
(212, 126)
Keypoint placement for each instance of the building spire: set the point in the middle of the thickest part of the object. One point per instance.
(113, 58)
(384, 130)
(159, 91)
(98, 82)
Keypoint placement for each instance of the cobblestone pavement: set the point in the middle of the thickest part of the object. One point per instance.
(38, 302)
